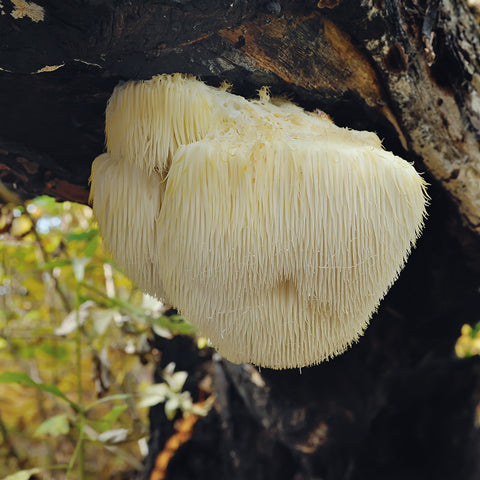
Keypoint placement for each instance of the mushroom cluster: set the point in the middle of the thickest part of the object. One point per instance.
(275, 232)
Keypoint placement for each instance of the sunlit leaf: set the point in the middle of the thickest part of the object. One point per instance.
(153, 395)
(185, 400)
(117, 435)
(177, 380)
(91, 247)
(202, 409)
(52, 241)
(54, 264)
(82, 235)
(32, 315)
(22, 474)
(20, 226)
(78, 265)
(44, 201)
(175, 323)
(23, 379)
(171, 407)
(71, 321)
(162, 331)
(54, 426)
(203, 342)
(102, 319)
(68, 325)
(151, 303)
(168, 370)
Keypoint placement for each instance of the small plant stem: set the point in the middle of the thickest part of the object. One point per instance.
(81, 413)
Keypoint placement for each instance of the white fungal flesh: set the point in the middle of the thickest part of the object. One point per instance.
(272, 230)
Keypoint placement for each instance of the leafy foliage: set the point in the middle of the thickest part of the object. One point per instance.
(468, 344)
(72, 329)
(24, 379)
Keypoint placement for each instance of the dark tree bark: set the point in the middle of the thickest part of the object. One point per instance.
(399, 404)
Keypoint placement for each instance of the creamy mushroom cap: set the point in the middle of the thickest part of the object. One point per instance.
(271, 229)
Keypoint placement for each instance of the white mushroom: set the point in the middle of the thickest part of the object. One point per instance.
(272, 230)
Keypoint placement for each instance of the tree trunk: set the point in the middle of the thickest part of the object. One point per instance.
(399, 404)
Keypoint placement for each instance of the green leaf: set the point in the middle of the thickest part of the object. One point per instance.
(22, 474)
(475, 330)
(53, 264)
(32, 315)
(82, 235)
(91, 247)
(23, 379)
(59, 352)
(27, 351)
(44, 201)
(54, 426)
(107, 421)
(174, 323)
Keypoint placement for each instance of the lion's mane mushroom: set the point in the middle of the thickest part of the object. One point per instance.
(271, 229)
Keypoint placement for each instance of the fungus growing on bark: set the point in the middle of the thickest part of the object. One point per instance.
(271, 229)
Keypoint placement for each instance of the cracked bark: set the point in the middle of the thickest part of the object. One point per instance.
(398, 404)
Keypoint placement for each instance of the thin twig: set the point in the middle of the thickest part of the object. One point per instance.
(12, 451)
(45, 258)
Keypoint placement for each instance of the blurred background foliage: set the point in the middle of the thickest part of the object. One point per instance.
(76, 363)
(468, 344)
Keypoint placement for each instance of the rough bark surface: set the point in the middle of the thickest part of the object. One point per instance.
(398, 404)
